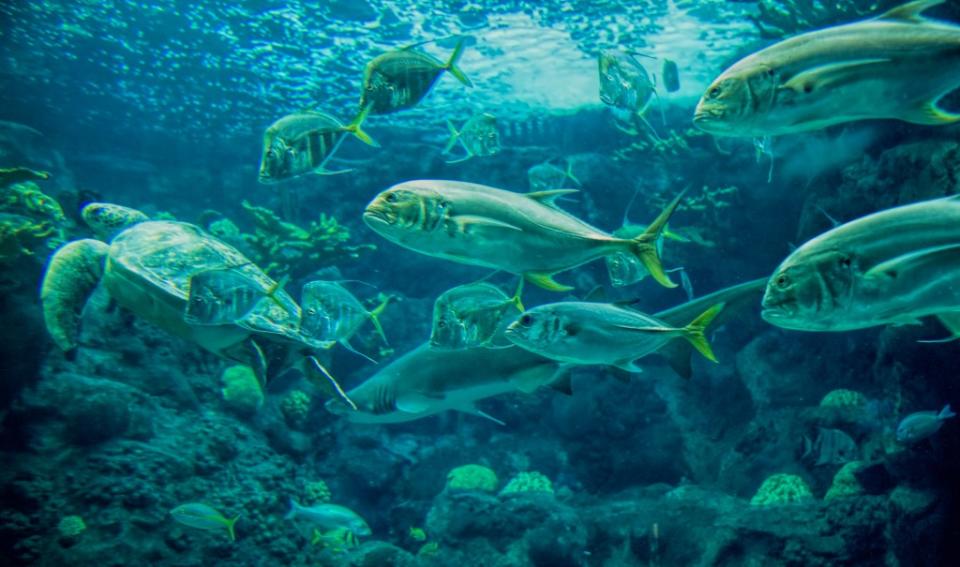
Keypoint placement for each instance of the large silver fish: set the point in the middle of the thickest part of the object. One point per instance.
(304, 142)
(520, 233)
(427, 381)
(888, 268)
(895, 66)
(578, 332)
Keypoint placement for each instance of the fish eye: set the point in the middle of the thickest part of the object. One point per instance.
(526, 320)
(311, 312)
(441, 325)
(782, 281)
(714, 92)
(845, 261)
(391, 198)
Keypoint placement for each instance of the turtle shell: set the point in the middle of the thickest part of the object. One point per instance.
(150, 265)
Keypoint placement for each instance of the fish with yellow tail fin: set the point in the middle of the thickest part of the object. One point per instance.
(520, 233)
(401, 78)
(478, 136)
(897, 65)
(579, 332)
(332, 314)
(471, 315)
(304, 142)
(204, 517)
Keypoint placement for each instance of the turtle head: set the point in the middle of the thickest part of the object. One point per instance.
(107, 219)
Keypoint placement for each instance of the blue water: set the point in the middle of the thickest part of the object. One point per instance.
(161, 106)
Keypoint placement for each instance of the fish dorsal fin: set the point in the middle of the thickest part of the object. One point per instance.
(550, 197)
(894, 267)
(831, 75)
(911, 11)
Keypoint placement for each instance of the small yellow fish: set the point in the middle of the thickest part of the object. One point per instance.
(201, 516)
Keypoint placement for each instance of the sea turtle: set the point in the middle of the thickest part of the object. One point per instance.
(147, 268)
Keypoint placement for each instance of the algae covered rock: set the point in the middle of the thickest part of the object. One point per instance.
(845, 483)
(781, 489)
(472, 478)
(295, 408)
(528, 482)
(241, 390)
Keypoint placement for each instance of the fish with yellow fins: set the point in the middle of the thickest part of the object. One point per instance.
(399, 79)
(478, 136)
(584, 333)
(304, 142)
(892, 267)
(894, 66)
(520, 233)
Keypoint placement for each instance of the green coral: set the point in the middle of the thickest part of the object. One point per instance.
(782, 489)
(295, 408)
(316, 492)
(845, 482)
(283, 248)
(26, 198)
(71, 526)
(241, 389)
(477, 478)
(528, 482)
(11, 175)
(842, 398)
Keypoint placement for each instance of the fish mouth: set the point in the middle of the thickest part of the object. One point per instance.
(375, 216)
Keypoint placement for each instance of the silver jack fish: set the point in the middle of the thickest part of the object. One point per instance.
(427, 381)
(524, 234)
(888, 268)
(894, 66)
(579, 332)
(399, 79)
(304, 142)
(227, 296)
(479, 137)
(331, 314)
(471, 315)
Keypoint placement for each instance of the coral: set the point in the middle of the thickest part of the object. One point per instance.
(283, 248)
(782, 18)
(27, 198)
(224, 229)
(472, 478)
(71, 526)
(21, 236)
(295, 407)
(781, 489)
(11, 175)
(842, 398)
(316, 492)
(528, 482)
(845, 483)
(241, 390)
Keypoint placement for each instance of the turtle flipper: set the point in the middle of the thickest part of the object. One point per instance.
(72, 274)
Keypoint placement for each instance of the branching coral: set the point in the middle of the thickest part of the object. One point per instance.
(782, 18)
(283, 248)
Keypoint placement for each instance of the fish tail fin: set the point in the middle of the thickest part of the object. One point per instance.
(695, 332)
(375, 317)
(277, 288)
(946, 413)
(644, 247)
(292, 513)
(355, 129)
(671, 235)
(516, 300)
(454, 136)
(230, 524)
(451, 65)
(570, 175)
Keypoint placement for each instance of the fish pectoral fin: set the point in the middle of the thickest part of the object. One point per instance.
(546, 281)
(474, 410)
(894, 267)
(630, 366)
(929, 114)
(416, 402)
(952, 322)
(831, 75)
(550, 197)
(563, 384)
(472, 223)
(911, 11)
